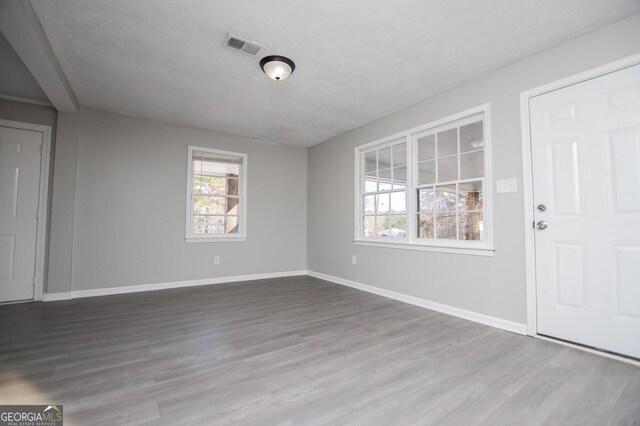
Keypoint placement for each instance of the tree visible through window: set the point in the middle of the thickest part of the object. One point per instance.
(450, 183)
(384, 195)
(427, 187)
(216, 198)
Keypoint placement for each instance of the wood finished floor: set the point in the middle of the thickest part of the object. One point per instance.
(295, 351)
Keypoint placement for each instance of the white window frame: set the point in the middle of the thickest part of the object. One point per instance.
(241, 235)
(411, 241)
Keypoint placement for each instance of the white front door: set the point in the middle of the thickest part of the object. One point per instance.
(20, 156)
(585, 142)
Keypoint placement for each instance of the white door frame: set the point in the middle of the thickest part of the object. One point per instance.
(527, 172)
(38, 285)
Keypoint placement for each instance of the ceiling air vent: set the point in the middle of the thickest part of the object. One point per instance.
(242, 45)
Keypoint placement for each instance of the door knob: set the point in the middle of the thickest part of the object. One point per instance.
(541, 225)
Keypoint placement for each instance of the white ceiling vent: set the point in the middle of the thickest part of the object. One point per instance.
(242, 45)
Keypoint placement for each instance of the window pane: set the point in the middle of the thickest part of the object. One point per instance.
(472, 165)
(425, 200)
(382, 225)
(446, 226)
(448, 143)
(231, 226)
(470, 196)
(215, 168)
(394, 226)
(384, 180)
(400, 177)
(398, 202)
(369, 226)
(208, 224)
(232, 206)
(427, 148)
(233, 186)
(471, 137)
(448, 169)
(370, 163)
(209, 184)
(399, 154)
(205, 204)
(471, 226)
(384, 158)
(446, 198)
(207, 229)
(370, 204)
(383, 203)
(427, 172)
(370, 184)
(425, 225)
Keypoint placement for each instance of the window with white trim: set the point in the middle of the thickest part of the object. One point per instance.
(216, 195)
(427, 187)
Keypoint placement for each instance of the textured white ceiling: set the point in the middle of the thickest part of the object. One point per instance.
(15, 78)
(357, 60)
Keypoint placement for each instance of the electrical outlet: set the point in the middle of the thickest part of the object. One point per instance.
(216, 260)
(353, 260)
(507, 185)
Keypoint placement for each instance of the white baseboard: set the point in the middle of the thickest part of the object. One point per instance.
(52, 297)
(500, 323)
(439, 307)
(76, 294)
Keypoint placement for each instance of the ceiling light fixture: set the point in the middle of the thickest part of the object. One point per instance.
(277, 67)
(477, 143)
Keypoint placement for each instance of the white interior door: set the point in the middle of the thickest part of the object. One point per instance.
(20, 156)
(585, 142)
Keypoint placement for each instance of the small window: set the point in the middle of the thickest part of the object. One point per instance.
(428, 187)
(216, 195)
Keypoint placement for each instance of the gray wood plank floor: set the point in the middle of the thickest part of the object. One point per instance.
(295, 351)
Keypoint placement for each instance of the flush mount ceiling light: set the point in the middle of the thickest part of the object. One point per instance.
(277, 67)
(477, 143)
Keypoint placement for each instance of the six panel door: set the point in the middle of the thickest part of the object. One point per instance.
(20, 156)
(585, 142)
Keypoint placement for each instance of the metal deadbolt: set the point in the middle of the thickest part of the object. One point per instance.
(542, 208)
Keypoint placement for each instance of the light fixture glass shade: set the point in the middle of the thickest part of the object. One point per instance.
(277, 67)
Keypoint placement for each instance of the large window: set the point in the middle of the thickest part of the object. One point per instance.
(427, 187)
(216, 195)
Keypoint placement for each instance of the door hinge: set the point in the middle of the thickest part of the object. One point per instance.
(38, 213)
(41, 148)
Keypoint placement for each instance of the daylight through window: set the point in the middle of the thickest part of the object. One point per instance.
(427, 187)
(216, 195)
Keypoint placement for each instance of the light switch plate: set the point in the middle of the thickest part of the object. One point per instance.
(507, 185)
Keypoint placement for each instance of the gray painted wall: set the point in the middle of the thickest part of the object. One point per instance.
(489, 285)
(63, 204)
(15, 78)
(127, 226)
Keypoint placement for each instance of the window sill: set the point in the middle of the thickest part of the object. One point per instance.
(474, 251)
(215, 239)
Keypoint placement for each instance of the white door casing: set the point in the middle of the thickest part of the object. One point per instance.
(585, 156)
(23, 182)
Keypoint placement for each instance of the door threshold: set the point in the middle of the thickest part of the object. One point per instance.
(590, 349)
